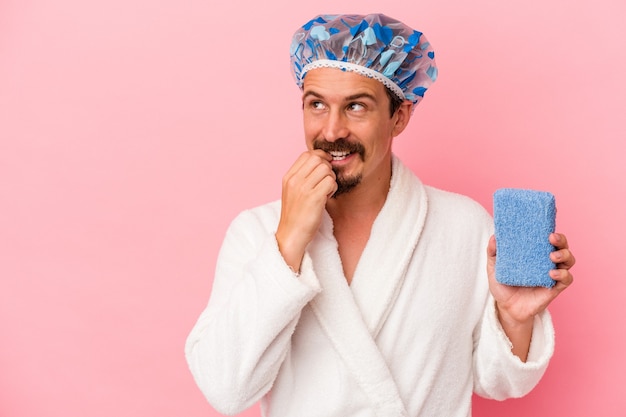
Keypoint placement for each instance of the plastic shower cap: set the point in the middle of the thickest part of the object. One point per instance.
(374, 45)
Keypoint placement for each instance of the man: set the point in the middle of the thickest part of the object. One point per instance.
(364, 292)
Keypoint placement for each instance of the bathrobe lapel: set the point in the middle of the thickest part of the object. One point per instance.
(351, 318)
(383, 264)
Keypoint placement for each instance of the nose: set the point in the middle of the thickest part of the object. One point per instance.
(336, 126)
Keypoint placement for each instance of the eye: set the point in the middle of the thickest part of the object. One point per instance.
(356, 107)
(317, 105)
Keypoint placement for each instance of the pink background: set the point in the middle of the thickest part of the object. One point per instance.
(133, 131)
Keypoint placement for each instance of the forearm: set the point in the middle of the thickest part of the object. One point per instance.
(518, 333)
(500, 374)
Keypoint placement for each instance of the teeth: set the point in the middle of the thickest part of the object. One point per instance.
(337, 156)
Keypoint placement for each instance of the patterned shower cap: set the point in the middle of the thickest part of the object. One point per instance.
(374, 45)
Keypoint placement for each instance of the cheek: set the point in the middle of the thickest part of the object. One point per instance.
(380, 141)
(311, 127)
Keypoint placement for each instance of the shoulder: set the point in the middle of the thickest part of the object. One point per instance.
(449, 204)
(456, 208)
(255, 220)
(251, 227)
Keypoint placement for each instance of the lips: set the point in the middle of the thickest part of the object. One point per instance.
(340, 149)
(338, 155)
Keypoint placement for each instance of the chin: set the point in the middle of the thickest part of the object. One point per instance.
(346, 184)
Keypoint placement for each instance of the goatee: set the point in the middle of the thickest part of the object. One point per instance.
(345, 183)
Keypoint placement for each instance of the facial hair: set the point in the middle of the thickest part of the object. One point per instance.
(345, 183)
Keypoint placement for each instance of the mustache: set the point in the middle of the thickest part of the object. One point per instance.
(340, 145)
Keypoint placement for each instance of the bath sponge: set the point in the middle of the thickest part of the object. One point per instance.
(523, 222)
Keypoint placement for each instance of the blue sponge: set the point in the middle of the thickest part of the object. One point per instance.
(523, 221)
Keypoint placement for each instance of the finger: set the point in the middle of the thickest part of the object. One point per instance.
(328, 186)
(290, 176)
(319, 173)
(310, 158)
(316, 159)
(563, 258)
(307, 188)
(558, 240)
(306, 163)
(321, 154)
(562, 276)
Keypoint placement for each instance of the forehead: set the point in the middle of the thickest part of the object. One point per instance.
(335, 82)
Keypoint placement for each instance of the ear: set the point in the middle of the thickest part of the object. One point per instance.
(402, 116)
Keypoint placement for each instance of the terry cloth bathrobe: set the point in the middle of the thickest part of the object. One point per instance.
(414, 334)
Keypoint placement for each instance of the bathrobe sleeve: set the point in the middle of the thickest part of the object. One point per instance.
(498, 373)
(242, 337)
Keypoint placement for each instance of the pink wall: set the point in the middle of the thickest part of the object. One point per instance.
(132, 131)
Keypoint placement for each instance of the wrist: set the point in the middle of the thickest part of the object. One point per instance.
(518, 331)
(511, 320)
(291, 251)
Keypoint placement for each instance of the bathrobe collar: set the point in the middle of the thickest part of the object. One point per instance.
(353, 315)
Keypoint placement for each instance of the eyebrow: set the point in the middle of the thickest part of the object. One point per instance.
(311, 93)
(348, 98)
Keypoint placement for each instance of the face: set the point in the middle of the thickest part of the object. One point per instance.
(347, 116)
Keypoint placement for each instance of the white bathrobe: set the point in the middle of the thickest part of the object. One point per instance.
(413, 335)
